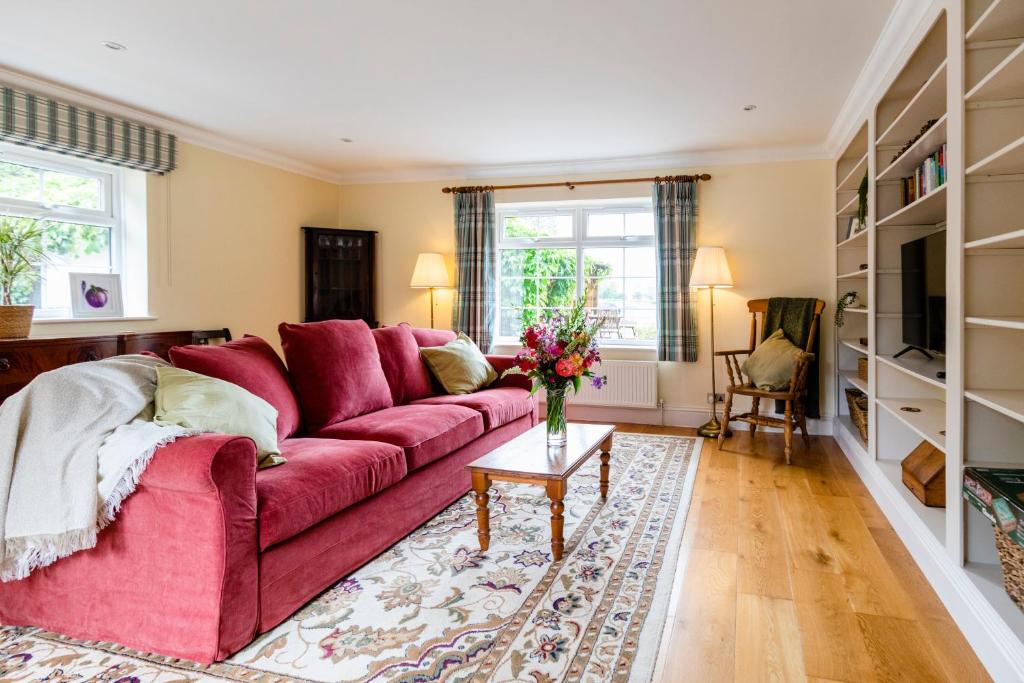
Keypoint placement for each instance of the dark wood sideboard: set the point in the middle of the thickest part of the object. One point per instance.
(22, 359)
(339, 275)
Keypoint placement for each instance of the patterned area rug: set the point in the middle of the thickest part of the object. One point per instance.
(434, 608)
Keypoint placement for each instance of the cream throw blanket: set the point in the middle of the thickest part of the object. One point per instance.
(71, 451)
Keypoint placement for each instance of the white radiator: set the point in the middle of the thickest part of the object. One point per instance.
(631, 383)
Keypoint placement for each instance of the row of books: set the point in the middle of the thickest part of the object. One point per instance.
(927, 177)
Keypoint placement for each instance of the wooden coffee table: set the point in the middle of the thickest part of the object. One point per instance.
(526, 459)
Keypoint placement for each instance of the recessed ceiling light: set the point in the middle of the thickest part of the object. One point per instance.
(111, 45)
(346, 139)
(749, 107)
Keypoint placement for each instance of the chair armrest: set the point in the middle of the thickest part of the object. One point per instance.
(503, 363)
(734, 353)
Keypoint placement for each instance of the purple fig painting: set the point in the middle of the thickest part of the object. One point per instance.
(94, 295)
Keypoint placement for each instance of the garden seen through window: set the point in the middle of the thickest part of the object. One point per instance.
(549, 254)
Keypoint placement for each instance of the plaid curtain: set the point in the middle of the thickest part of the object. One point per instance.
(475, 258)
(675, 219)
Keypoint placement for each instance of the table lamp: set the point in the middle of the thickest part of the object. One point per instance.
(711, 270)
(430, 273)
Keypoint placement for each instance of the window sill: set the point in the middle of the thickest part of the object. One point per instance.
(126, 318)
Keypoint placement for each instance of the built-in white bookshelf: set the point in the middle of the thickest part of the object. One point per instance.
(965, 74)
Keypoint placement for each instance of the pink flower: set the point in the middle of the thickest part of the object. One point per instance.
(565, 368)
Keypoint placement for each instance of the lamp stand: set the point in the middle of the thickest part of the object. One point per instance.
(431, 308)
(712, 428)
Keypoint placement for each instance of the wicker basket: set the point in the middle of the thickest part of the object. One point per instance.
(858, 402)
(862, 368)
(1011, 556)
(15, 321)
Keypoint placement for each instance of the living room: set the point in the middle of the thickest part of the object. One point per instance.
(594, 341)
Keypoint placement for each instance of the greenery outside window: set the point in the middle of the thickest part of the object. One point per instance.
(550, 253)
(81, 203)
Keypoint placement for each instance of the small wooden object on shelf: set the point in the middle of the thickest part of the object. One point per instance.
(858, 402)
(924, 473)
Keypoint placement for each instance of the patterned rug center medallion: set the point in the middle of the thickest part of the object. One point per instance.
(434, 608)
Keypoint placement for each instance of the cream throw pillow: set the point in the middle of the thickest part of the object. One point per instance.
(196, 401)
(459, 365)
(770, 366)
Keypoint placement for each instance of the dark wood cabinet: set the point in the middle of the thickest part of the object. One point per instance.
(339, 275)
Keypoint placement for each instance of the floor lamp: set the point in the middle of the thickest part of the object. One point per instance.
(430, 273)
(711, 270)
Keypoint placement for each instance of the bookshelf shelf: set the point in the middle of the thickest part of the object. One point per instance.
(854, 345)
(929, 423)
(859, 309)
(922, 369)
(1008, 322)
(1007, 160)
(1004, 82)
(1007, 240)
(856, 275)
(1009, 402)
(913, 157)
(852, 181)
(928, 210)
(1002, 20)
(849, 208)
(929, 103)
(858, 241)
(851, 377)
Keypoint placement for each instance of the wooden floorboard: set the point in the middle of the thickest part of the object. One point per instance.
(792, 573)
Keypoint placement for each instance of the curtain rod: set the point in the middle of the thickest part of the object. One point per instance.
(572, 185)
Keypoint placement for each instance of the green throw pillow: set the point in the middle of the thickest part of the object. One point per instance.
(771, 364)
(196, 401)
(459, 366)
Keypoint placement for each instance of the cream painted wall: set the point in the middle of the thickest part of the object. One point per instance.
(225, 246)
(772, 218)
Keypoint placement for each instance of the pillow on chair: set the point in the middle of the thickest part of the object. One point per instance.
(770, 366)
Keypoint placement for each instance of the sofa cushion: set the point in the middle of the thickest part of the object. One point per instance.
(336, 370)
(459, 366)
(426, 336)
(253, 365)
(322, 477)
(400, 358)
(498, 406)
(426, 433)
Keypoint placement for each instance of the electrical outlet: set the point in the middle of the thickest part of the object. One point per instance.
(720, 398)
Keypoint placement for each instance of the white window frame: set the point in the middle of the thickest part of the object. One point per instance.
(111, 215)
(579, 210)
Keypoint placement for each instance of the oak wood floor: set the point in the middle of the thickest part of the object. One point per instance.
(792, 573)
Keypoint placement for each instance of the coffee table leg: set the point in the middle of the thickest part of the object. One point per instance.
(606, 456)
(481, 482)
(556, 492)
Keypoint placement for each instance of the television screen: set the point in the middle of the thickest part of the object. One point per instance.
(924, 292)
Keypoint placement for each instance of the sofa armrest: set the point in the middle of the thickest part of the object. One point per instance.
(176, 572)
(503, 363)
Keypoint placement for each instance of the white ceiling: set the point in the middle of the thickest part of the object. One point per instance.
(448, 86)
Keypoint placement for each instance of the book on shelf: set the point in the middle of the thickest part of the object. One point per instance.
(928, 176)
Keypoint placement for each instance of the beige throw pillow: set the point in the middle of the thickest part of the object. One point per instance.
(459, 366)
(770, 366)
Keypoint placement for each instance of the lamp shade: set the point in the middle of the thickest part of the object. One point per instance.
(430, 271)
(710, 269)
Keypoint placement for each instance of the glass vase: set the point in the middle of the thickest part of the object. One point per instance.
(556, 416)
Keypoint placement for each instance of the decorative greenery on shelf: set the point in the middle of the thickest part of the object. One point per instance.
(845, 301)
(862, 203)
(924, 129)
(21, 253)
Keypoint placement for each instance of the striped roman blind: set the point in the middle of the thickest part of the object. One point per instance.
(44, 123)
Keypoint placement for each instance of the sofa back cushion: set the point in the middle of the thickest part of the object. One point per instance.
(252, 364)
(336, 370)
(428, 337)
(400, 359)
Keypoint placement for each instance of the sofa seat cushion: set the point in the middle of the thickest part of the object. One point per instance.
(322, 477)
(498, 406)
(400, 358)
(425, 432)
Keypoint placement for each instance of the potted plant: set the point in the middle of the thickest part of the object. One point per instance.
(21, 253)
(845, 301)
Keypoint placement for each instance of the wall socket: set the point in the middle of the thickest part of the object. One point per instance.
(720, 398)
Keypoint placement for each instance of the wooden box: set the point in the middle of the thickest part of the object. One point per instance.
(924, 473)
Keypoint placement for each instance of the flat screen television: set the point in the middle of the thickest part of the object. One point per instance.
(924, 294)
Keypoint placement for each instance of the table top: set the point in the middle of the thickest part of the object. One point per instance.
(528, 455)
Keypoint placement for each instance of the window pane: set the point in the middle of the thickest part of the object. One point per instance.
(71, 248)
(640, 262)
(518, 292)
(602, 262)
(608, 294)
(640, 292)
(640, 223)
(549, 226)
(19, 182)
(510, 323)
(538, 262)
(639, 324)
(68, 189)
(604, 225)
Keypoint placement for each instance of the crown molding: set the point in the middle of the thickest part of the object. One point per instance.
(895, 38)
(184, 131)
(587, 167)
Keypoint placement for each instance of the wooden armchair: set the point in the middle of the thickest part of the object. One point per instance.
(793, 395)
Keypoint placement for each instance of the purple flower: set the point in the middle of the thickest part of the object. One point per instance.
(599, 381)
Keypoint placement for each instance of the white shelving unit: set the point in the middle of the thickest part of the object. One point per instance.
(966, 72)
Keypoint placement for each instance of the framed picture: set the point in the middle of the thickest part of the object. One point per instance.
(96, 295)
(853, 227)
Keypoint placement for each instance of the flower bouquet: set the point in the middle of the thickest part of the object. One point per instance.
(559, 351)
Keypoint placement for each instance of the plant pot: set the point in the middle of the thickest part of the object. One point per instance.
(15, 321)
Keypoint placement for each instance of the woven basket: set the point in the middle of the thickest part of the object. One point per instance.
(1011, 556)
(15, 321)
(862, 368)
(858, 402)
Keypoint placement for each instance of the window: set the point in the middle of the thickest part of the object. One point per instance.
(549, 253)
(82, 205)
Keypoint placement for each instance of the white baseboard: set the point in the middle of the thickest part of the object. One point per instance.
(998, 648)
(669, 416)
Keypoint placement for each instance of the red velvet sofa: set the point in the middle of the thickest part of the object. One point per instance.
(209, 552)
